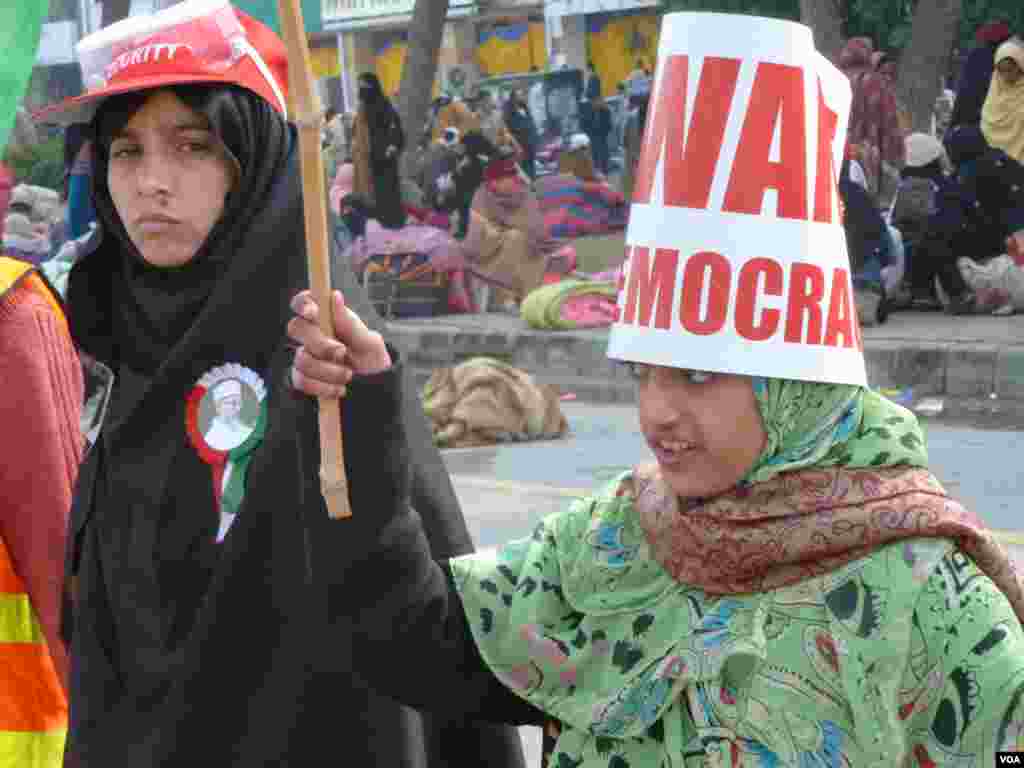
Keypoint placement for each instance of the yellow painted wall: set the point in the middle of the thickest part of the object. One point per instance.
(325, 62)
(538, 46)
(388, 59)
(511, 48)
(615, 43)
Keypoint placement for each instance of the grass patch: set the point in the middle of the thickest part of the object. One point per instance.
(597, 253)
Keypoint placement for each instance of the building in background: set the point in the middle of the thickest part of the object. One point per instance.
(371, 36)
(614, 34)
(511, 45)
(481, 38)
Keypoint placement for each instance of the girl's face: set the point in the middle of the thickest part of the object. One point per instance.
(1010, 71)
(169, 176)
(705, 429)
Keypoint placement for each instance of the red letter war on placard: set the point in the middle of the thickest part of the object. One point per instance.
(746, 299)
(806, 290)
(778, 93)
(647, 285)
(695, 274)
(840, 312)
(690, 160)
(825, 181)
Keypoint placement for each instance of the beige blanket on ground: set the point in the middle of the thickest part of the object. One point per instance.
(484, 401)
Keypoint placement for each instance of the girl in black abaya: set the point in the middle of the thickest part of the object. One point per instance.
(200, 632)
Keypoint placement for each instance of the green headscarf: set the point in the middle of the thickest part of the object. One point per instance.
(829, 425)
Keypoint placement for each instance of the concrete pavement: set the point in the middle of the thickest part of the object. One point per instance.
(975, 364)
(506, 490)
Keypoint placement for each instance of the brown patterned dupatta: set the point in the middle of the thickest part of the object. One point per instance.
(801, 524)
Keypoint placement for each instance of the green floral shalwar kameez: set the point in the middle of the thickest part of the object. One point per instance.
(908, 657)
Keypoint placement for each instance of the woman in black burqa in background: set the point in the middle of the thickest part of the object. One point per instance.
(377, 144)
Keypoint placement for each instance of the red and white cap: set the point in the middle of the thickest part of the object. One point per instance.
(197, 41)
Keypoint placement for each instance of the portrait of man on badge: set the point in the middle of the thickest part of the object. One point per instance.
(223, 414)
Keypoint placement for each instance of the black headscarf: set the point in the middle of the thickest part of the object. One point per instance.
(156, 306)
(371, 93)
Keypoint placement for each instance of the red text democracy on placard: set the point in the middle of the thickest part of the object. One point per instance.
(689, 157)
(811, 307)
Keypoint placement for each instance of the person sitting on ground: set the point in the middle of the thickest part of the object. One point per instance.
(788, 584)
(869, 247)
(458, 115)
(975, 217)
(459, 172)
(1002, 116)
(492, 126)
(577, 159)
(507, 204)
(991, 187)
(921, 180)
(22, 240)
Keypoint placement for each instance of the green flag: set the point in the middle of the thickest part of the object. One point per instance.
(20, 24)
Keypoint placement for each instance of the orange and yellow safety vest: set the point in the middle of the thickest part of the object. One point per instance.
(33, 706)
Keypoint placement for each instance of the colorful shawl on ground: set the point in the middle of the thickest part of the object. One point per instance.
(834, 609)
(1002, 116)
(483, 401)
(569, 305)
(575, 208)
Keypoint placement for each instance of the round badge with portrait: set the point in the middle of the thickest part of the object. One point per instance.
(226, 417)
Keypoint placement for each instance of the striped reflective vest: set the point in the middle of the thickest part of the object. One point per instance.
(33, 706)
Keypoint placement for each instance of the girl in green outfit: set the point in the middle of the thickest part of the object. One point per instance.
(788, 585)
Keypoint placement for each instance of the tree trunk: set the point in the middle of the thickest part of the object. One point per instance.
(419, 71)
(115, 10)
(926, 58)
(825, 19)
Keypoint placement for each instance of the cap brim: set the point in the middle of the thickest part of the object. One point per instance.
(82, 109)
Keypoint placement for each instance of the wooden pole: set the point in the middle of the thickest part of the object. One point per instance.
(308, 116)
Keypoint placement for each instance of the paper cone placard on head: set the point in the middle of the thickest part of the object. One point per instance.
(736, 255)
